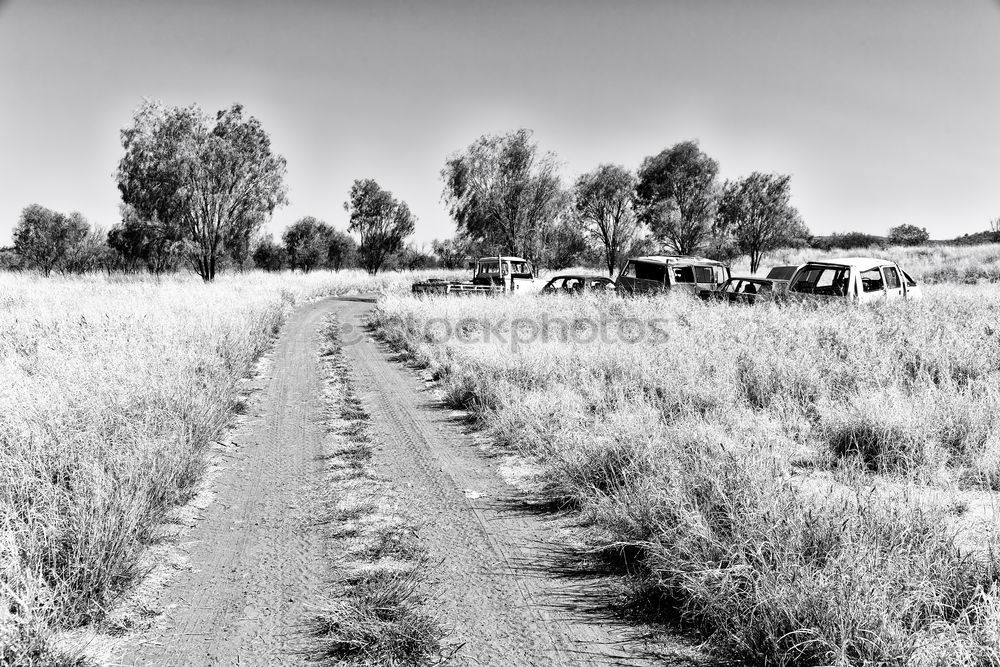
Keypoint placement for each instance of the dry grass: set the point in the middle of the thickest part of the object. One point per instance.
(789, 473)
(930, 263)
(377, 612)
(113, 388)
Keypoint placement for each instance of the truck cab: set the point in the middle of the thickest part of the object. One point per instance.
(661, 273)
(861, 279)
(514, 274)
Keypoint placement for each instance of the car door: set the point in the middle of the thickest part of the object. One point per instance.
(893, 283)
(872, 285)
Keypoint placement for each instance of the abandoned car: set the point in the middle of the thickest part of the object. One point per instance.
(660, 273)
(862, 279)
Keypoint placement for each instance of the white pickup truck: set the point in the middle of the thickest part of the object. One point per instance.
(862, 279)
(491, 275)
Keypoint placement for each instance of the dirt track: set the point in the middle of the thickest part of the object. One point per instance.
(257, 560)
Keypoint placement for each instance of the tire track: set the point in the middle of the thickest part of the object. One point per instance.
(496, 581)
(256, 558)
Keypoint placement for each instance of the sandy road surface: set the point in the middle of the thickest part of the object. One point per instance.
(257, 560)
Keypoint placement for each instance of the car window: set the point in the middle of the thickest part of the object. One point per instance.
(891, 277)
(721, 274)
(749, 288)
(871, 280)
(732, 286)
(521, 269)
(646, 271)
(602, 284)
(704, 274)
(683, 274)
(828, 280)
(557, 283)
(910, 282)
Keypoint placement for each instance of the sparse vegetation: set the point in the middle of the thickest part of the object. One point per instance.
(378, 612)
(809, 485)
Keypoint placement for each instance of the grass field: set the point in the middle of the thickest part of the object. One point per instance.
(806, 485)
(112, 390)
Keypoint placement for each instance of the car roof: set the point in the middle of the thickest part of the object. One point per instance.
(579, 276)
(674, 259)
(493, 258)
(755, 279)
(860, 263)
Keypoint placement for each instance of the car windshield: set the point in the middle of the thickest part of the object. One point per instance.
(644, 271)
(781, 273)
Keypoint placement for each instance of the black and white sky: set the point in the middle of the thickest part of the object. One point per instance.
(883, 111)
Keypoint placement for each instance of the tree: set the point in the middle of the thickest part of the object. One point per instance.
(89, 253)
(139, 243)
(453, 253)
(565, 245)
(215, 181)
(10, 260)
(676, 195)
(908, 235)
(503, 194)
(341, 250)
(380, 220)
(307, 243)
(604, 203)
(43, 238)
(757, 211)
(995, 225)
(269, 255)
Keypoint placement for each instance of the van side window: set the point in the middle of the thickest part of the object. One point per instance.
(683, 274)
(644, 271)
(910, 282)
(871, 280)
(704, 274)
(891, 277)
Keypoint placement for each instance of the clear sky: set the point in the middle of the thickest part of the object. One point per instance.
(885, 112)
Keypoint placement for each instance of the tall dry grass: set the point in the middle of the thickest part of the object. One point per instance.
(928, 263)
(112, 389)
(791, 475)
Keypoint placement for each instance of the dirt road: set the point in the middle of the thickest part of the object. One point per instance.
(504, 586)
(257, 561)
(255, 556)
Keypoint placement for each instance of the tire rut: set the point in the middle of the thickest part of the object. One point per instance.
(256, 559)
(496, 570)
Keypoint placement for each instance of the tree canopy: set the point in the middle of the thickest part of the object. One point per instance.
(307, 243)
(380, 220)
(676, 195)
(46, 239)
(908, 235)
(503, 193)
(604, 204)
(214, 181)
(756, 210)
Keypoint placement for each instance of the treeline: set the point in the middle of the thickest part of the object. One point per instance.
(197, 189)
(506, 195)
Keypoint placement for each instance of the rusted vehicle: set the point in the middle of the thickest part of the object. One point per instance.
(861, 279)
(661, 273)
(490, 275)
(780, 276)
(744, 289)
(578, 284)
